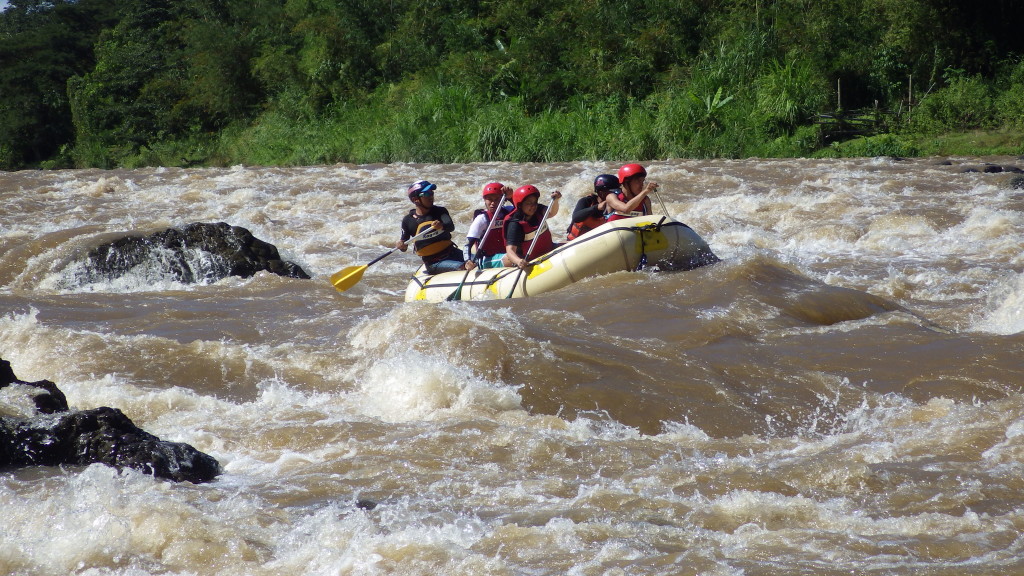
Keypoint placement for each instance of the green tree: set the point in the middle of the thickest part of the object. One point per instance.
(119, 105)
(501, 78)
(42, 44)
(219, 45)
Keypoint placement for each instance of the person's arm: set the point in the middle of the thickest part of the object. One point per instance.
(446, 220)
(513, 240)
(476, 232)
(441, 219)
(554, 204)
(648, 188)
(587, 207)
(512, 252)
(401, 244)
(626, 207)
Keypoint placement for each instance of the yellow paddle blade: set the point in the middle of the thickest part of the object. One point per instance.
(347, 278)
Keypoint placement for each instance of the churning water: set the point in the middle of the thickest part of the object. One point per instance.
(842, 394)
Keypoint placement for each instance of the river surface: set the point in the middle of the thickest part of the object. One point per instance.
(842, 394)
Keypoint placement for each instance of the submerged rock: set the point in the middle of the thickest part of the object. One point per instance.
(198, 252)
(365, 504)
(55, 435)
(989, 168)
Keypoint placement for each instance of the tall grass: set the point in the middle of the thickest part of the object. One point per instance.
(964, 103)
(726, 106)
(454, 124)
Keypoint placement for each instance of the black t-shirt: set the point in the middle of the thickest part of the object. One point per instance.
(514, 233)
(412, 221)
(585, 208)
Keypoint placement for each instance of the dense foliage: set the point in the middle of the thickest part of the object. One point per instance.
(139, 82)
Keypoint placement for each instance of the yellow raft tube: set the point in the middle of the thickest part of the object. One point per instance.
(620, 245)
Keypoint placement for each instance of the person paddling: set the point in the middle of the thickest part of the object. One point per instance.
(438, 251)
(486, 236)
(590, 210)
(524, 224)
(632, 199)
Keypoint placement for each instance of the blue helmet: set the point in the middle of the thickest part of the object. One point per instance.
(421, 188)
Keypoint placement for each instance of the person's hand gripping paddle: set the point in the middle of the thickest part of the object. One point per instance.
(540, 230)
(478, 258)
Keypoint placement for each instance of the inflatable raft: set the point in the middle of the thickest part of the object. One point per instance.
(617, 246)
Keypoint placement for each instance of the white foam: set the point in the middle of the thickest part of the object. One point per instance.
(27, 345)
(1005, 307)
(17, 401)
(314, 418)
(414, 386)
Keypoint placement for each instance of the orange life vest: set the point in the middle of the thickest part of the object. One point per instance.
(580, 228)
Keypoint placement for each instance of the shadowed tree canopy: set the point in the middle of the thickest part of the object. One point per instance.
(93, 82)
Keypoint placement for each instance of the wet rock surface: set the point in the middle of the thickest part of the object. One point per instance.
(198, 252)
(52, 435)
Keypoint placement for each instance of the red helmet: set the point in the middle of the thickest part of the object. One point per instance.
(492, 188)
(524, 192)
(630, 170)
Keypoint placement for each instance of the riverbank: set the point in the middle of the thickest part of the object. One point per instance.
(275, 142)
(969, 143)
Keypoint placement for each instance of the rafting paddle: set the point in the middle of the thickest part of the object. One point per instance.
(663, 207)
(490, 226)
(540, 229)
(348, 277)
(457, 295)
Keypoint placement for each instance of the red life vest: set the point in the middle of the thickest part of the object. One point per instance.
(544, 242)
(494, 243)
(642, 209)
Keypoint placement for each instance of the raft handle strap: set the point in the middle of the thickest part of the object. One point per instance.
(643, 252)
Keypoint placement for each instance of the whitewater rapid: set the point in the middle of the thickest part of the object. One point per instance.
(841, 394)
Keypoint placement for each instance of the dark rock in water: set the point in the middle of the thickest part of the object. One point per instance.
(1017, 183)
(48, 401)
(991, 169)
(198, 252)
(103, 435)
(365, 504)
